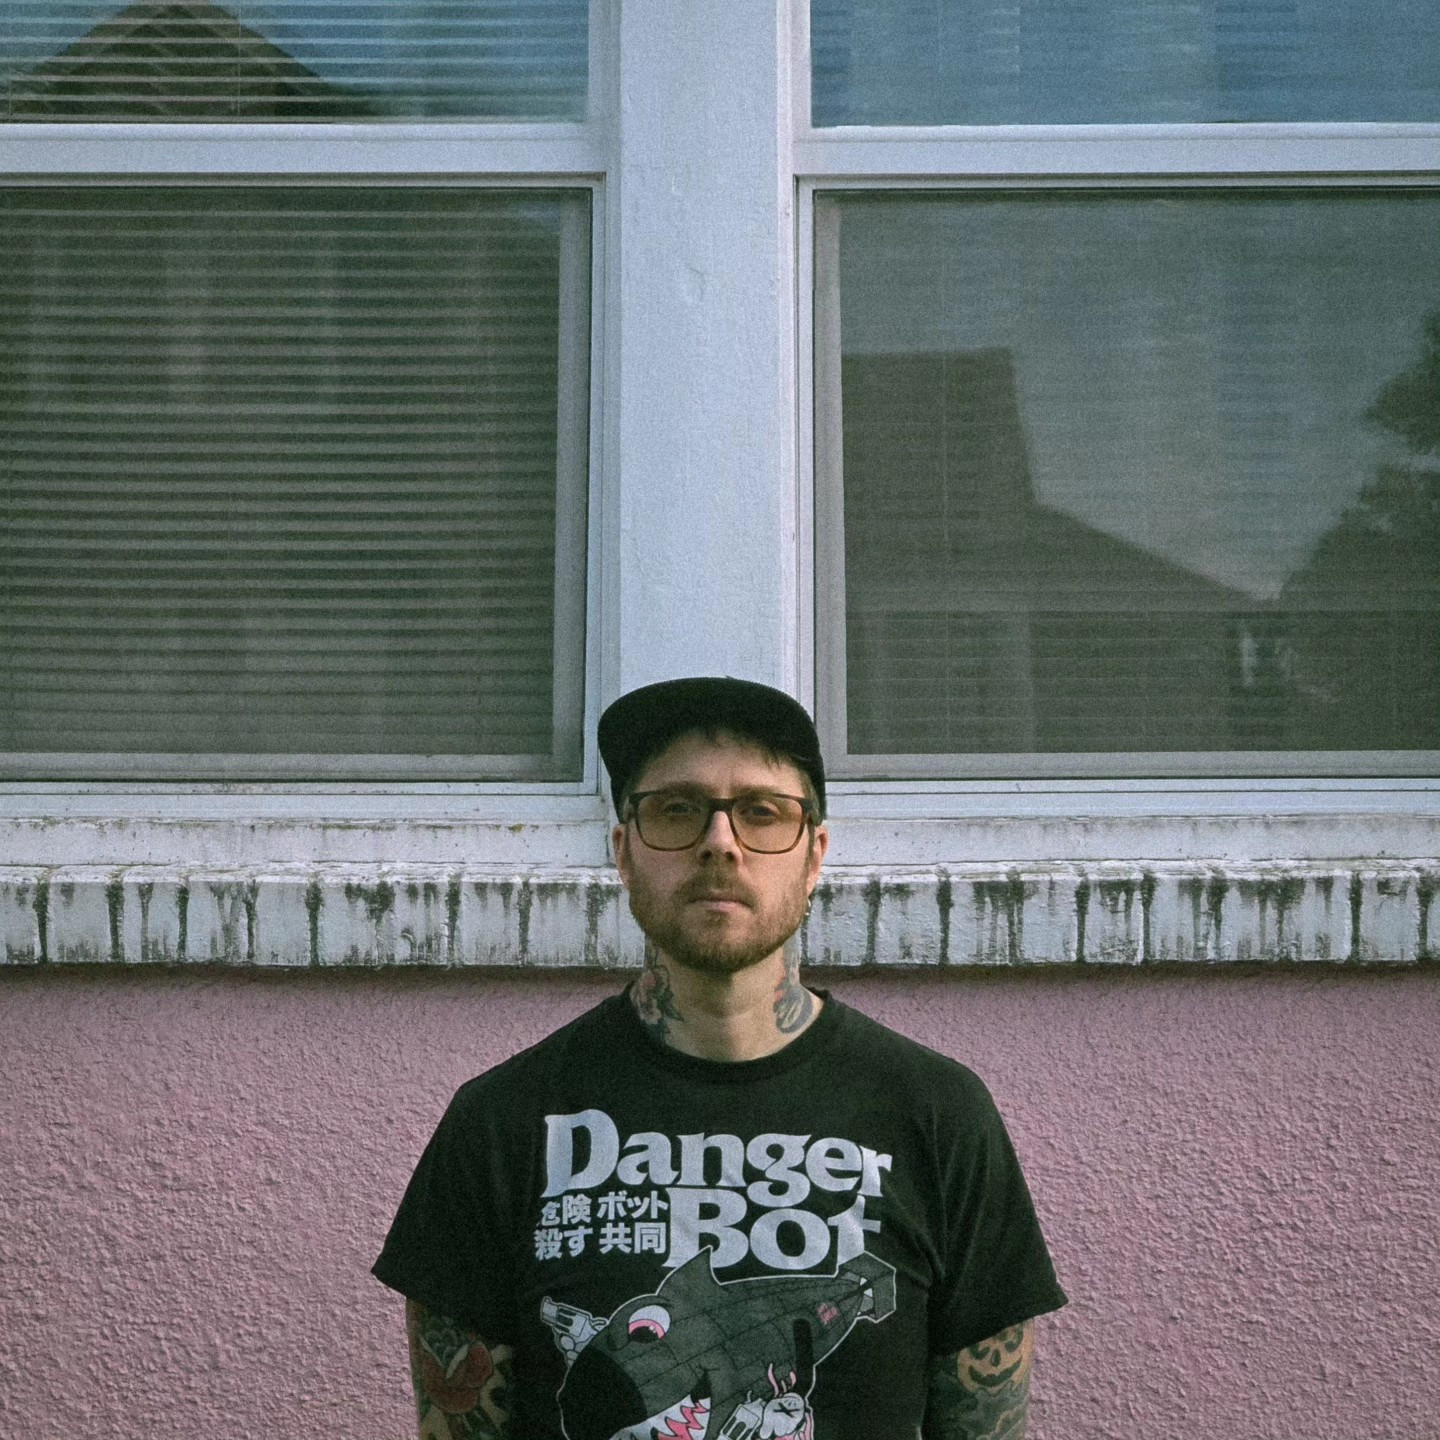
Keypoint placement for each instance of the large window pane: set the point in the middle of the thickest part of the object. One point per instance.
(999, 62)
(258, 60)
(293, 480)
(1150, 473)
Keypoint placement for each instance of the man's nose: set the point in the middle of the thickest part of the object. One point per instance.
(719, 836)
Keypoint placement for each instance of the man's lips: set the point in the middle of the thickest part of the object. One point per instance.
(702, 897)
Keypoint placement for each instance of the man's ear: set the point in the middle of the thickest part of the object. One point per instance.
(620, 843)
(819, 844)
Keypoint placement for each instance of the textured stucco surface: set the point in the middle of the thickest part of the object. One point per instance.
(1237, 1169)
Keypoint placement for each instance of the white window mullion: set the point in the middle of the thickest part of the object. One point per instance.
(299, 150)
(705, 361)
(1117, 154)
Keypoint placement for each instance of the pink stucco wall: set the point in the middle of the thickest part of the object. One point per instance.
(1238, 1174)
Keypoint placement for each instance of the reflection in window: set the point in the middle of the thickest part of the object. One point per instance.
(995, 62)
(293, 60)
(292, 472)
(1151, 473)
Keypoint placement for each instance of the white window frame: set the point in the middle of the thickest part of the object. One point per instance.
(572, 155)
(1109, 157)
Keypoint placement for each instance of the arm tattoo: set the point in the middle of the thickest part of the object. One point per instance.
(460, 1382)
(652, 997)
(793, 1002)
(981, 1393)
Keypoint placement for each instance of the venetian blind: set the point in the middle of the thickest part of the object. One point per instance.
(1036, 62)
(295, 60)
(293, 480)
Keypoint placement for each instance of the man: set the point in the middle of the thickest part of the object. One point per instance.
(720, 1204)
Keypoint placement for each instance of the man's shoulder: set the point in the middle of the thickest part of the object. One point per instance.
(562, 1053)
(904, 1062)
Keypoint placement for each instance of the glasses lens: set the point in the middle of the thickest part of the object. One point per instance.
(674, 820)
(670, 821)
(767, 823)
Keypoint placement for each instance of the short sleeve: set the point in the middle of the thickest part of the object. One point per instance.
(998, 1270)
(449, 1246)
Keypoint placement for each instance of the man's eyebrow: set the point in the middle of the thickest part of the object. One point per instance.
(693, 787)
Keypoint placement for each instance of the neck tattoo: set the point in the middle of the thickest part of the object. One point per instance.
(794, 1004)
(653, 997)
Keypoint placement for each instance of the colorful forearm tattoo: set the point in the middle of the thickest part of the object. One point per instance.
(981, 1393)
(460, 1382)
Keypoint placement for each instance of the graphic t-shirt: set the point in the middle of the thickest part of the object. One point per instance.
(684, 1248)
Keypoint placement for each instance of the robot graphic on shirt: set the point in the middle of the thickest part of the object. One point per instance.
(703, 1359)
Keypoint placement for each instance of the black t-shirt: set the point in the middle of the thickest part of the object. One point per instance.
(690, 1247)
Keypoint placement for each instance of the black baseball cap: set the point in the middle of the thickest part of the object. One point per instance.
(642, 722)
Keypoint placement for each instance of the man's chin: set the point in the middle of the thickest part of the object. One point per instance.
(717, 962)
(713, 956)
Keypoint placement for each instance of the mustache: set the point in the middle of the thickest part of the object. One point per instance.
(708, 890)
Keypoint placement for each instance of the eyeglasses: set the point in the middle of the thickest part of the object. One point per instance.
(761, 820)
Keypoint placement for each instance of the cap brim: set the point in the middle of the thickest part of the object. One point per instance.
(644, 720)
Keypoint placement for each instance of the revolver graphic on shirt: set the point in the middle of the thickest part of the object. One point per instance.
(573, 1328)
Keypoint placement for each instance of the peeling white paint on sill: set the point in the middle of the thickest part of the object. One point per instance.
(960, 915)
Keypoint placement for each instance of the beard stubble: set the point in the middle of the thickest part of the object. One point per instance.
(679, 935)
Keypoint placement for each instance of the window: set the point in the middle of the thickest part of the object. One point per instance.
(1116, 62)
(1126, 436)
(289, 60)
(297, 467)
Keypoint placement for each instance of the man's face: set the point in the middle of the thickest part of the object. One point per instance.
(715, 907)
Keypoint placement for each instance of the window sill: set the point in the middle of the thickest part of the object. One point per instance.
(963, 916)
(1053, 873)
